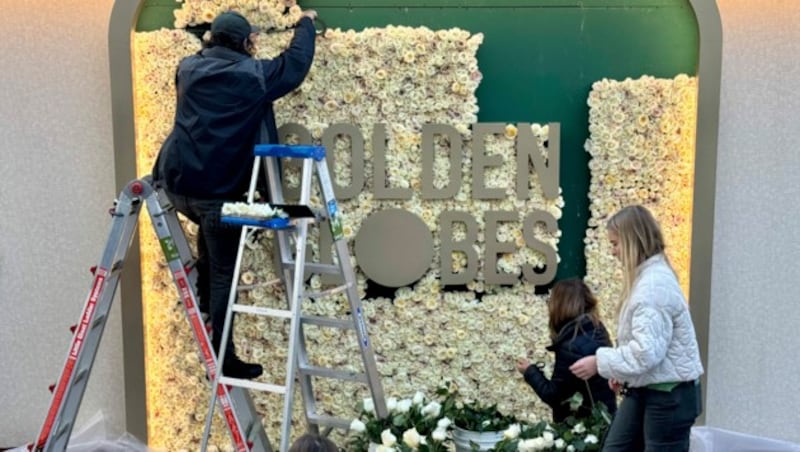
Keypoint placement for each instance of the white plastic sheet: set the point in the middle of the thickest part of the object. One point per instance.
(710, 439)
(95, 436)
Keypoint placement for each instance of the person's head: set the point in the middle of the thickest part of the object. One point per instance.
(635, 236)
(569, 299)
(311, 442)
(232, 30)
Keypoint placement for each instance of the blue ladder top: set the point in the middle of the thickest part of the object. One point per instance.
(300, 151)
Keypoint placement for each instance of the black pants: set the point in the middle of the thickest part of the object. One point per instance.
(655, 421)
(217, 245)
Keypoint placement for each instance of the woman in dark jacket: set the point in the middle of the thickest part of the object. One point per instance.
(576, 331)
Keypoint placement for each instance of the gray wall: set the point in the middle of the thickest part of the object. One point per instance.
(57, 182)
(57, 177)
(754, 342)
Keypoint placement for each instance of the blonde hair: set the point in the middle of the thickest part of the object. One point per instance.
(640, 238)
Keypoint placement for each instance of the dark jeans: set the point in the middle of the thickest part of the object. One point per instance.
(217, 245)
(651, 420)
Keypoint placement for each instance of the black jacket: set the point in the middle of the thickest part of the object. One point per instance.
(576, 339)
(223, 98)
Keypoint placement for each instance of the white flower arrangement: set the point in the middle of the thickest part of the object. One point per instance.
(406, 77)
(252, 210)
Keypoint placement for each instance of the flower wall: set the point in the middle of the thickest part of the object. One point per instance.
(404, 77)
(642, 135)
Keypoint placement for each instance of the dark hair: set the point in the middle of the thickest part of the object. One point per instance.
(224, 40)
(311, 442)
(569, 299)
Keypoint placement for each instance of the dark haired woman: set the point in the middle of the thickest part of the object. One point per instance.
(576, 331)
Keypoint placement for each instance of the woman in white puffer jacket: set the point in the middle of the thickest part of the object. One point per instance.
(656, 363)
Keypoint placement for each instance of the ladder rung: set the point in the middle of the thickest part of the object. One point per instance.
(329, 421)
(325, 372)
(294, 151)
(258, 310)
(327, 321)
(327, 293)
(249, 384)
(98, 320)
(316, 268)
(64, 428)
(80, 375)
(245, 287)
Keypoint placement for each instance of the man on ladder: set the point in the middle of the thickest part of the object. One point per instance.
(224, 97)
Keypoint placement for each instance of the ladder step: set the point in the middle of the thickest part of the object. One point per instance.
(327, 293)
(272, 223)
(83, 373)
(328, 421)
(295, 151)
(249, 384)
(325, 372)
(314, 268)
(63, 429)
(246, 287)
(258, 310)
(327, 321)
(98, 321)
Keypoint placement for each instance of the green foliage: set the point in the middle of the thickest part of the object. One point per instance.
(474, 416)
(415, 424)
(583, 434)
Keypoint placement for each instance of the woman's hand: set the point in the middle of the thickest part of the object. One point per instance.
(615, 385)
(522, 365)
(585, 368)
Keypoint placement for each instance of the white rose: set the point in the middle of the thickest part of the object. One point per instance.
(369, 405)
(570, 448)
(391, 403)
(419, 397)
(590, 439)
(439, 434)
(580, 428)
(560, 444)
(411, 438)
(432, 409)
(444, 423)
(548, 439)
(512, 432)
(387, 438)
(357, 426)
(404, 406)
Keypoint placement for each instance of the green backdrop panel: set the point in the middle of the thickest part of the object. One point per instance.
(539, 60)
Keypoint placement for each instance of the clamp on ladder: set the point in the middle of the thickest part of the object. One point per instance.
(293, 267)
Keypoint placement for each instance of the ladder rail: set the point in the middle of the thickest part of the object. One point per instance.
(290, 264)
(245, 427)
(177, 253)
(356, 310)
(68, 392)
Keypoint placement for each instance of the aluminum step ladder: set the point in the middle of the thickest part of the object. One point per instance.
(294, 270)
(247, 432)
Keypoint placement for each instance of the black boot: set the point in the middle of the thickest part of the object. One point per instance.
(236, 368)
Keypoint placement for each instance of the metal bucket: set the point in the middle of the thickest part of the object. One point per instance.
(466, 439)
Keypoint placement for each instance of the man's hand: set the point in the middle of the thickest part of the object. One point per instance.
(585, 368)
(311, 14)
(522, 365)
(615, 385)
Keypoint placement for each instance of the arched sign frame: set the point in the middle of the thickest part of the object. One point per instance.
(121, 28)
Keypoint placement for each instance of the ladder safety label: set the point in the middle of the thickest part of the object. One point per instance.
(362, 328)
(77, 346)
(335, 220)
(169, 248)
